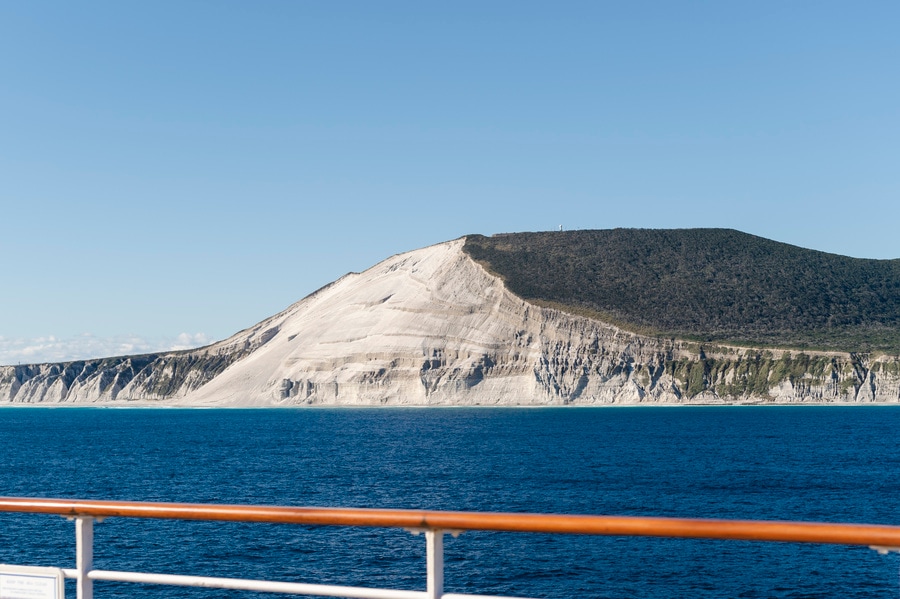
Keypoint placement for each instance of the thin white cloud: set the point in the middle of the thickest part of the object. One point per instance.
(83, 347)
(189, 341)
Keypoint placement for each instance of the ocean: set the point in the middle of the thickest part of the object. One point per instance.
(832, 464)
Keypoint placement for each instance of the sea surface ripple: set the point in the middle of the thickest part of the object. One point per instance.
(832, 464)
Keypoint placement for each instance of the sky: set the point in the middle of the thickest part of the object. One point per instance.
(173, 172)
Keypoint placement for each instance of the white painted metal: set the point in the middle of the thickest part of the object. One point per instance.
(257, 585)
(434, 555)
(267, 586)
(84, 574)
(84, 556)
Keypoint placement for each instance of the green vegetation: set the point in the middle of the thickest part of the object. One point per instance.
(706, 285)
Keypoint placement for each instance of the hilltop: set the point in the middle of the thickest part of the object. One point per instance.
(710, 285)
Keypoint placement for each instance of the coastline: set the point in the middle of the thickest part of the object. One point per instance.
(149, 405)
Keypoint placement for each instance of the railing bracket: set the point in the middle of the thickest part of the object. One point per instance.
(450, 531)
(97, 519)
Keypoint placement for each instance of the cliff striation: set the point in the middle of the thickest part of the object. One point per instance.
(433, 327)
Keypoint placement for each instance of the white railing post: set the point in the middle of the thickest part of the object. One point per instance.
(434, 552)
(84, 556)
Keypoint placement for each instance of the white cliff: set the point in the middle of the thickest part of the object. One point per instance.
(432, 327)
(428, 327)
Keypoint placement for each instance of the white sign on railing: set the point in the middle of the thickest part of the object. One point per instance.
(31, 582)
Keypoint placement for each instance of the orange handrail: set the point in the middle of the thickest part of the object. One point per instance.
(747, 530)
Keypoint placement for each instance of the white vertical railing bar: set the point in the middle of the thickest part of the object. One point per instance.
(84, 556)
(434, 555)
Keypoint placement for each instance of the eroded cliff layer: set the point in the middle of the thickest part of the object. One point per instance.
(432, 327)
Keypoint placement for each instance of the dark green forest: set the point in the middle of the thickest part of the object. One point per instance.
(712, 285)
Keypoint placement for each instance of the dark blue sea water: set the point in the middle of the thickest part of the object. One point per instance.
(834, 464)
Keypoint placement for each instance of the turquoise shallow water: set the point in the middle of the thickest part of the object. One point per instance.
(836, 464)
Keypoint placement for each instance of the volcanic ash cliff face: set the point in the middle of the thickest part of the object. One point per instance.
(431, 327)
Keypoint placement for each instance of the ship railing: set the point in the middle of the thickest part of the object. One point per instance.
(434, 525)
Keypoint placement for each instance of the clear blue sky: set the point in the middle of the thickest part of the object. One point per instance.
(190, 168)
